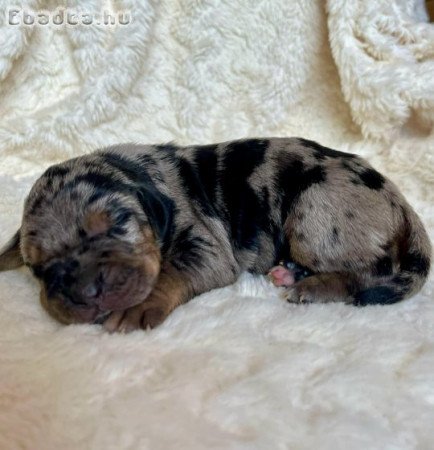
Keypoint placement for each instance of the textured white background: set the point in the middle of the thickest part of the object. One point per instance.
(235, 368)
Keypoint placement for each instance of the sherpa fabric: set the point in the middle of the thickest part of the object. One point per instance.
(235, 368)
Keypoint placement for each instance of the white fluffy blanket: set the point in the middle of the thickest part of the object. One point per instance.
(235, 368)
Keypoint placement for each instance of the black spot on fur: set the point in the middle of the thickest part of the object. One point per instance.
(167, 152)
(246, 213)
(99, 181)
(293, 178)
(122, 216)
(372, 179)
(335, 236)
(48, 183)
(265, 195)
(314, 175)
(349, 215)
(132, 170)
(383, 267)
(117, 231)
(56, 171)
(315, 262)
(206, 160)
(347, 166)
(300, 236)
(267, 224)
(99, 193)
(415, 262)
(193, 183)
(189, 249)
(380, 295)
(37, 203)
(148, 162)
(369, 177)
(167, 148)
(321, 152)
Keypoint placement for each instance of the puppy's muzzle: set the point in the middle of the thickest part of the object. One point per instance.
(88, 295)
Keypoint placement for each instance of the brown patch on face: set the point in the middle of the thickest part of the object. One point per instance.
(97, 222)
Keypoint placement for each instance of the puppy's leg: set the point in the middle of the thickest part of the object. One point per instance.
(393, 270)
(178, 282)
(323, 288)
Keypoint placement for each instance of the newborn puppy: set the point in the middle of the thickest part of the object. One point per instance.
(124, 235)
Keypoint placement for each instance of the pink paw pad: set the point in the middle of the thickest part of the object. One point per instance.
(281, 276)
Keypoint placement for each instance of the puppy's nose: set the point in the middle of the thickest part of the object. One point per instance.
(91, 290)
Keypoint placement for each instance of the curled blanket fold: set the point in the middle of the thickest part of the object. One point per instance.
(385, 57)
(235, 368)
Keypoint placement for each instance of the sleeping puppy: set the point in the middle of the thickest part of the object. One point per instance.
(124, 235)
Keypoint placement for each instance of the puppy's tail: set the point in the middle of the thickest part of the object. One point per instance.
(410, 258)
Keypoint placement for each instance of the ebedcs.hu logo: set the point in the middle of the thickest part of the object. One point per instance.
(68, 17)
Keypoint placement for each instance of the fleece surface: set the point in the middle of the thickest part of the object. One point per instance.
(235, 368)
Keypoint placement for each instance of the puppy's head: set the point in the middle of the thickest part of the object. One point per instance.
(92, 248)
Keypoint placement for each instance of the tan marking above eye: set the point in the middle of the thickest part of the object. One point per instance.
(97, 222)
(148, 234)
(34, 254)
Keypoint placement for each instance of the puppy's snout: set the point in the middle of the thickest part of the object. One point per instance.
(58, 277)
(93, 288)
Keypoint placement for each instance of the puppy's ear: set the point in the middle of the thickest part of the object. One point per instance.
(10, 254)
(159, 210)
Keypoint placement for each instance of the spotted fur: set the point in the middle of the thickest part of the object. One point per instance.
(126, 234)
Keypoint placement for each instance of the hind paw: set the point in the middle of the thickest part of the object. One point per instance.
(319, 288)
(294, 294)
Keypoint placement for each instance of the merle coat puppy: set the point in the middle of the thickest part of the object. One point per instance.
(124, 235)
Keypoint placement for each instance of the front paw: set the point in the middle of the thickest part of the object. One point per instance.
(135, 318)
